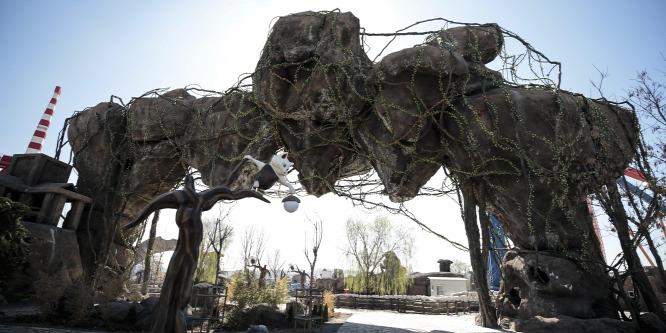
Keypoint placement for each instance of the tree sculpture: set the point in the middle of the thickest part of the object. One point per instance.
(303, 276)
(263, 271)
(169, 316)
(520, 149)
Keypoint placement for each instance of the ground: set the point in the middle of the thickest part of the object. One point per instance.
(345, 321)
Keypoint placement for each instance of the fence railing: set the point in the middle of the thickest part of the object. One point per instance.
(460, 302)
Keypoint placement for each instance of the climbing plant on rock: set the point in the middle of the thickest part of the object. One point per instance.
(512, 143)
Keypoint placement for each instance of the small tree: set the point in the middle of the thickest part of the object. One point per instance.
(393, 279)
(253, 245)
(220, 238)
(367, 246)
(149, 252)
(276, 264)
(318, 229)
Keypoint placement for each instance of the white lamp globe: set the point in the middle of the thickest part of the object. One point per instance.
(290, 203)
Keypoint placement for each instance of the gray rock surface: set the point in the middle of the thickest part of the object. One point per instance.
(54, 254)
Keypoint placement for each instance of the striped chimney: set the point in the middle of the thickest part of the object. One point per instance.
(35, 145)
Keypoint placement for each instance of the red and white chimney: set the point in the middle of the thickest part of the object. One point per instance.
(35, 145)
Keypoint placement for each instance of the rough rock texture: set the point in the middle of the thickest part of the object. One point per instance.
(550, 286)
(110, 164)
(222, 130)
(167, 114)
(314, 74)
(400, 137)
(54, 255)
(119, 312)
(519, 146)
(540, 324)
(530, 155)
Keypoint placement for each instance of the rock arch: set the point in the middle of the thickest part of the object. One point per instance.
(527, 154)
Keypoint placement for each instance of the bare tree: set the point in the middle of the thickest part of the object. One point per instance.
(219, 238)
(315, 243)
(276, 264)
(149, 252)
(253, 245)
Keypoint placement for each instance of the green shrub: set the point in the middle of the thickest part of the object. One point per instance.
(245, 291)
(14, 247)
(48, 292)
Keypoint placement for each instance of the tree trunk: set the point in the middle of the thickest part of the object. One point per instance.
(149, 252)
(486, 308)
(655, 254)
(619, 219)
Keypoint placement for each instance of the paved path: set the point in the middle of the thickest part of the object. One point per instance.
(366, 321)
(25, 329)
(361, 321)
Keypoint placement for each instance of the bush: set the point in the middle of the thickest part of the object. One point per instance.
(14, 247)
(48, 292)
(67, 299)
(245, 291)
(241, 319)
(329, 304)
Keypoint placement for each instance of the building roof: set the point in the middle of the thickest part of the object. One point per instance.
(445, 278)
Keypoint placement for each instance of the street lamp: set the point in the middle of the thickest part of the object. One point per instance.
(290, 203)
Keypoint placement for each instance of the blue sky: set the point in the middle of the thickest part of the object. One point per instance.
(95, 49)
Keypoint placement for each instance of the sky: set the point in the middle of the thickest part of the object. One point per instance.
(96, 49)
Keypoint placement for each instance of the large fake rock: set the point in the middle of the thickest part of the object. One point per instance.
(540, 324)
(223, 130)
(403, 167)
(541, 285)
(54, 254)
(415, 86)
(539, 153)
(323, 156)
(119, 312)
(314, 75)
(313, 67)
(152, 168)
(160, 118)
(97, 137)
(110, 164)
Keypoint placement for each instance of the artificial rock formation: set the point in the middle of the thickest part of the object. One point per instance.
(528, 154)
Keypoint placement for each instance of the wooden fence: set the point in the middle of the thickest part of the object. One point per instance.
(455, 304)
